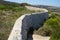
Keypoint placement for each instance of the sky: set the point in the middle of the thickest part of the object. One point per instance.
(39, 2)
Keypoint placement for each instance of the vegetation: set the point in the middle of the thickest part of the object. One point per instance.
(55, 25)
(23, 4)
(8, 15)
(51, 28)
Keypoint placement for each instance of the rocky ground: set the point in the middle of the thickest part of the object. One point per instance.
(38, 37)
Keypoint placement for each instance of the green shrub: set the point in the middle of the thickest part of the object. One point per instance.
(54, 23)
(44, 31)
(51, 28)
(55, 36)
(18, 9)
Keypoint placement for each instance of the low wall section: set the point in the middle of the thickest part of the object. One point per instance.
(23, 23)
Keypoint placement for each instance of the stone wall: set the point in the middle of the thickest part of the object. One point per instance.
(23, 23)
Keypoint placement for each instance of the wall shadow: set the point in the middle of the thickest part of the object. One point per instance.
(30, 33)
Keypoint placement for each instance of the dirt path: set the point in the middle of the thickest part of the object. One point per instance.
(36, 9)
(38, 37)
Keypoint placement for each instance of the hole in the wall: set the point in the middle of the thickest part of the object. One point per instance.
(30, 33)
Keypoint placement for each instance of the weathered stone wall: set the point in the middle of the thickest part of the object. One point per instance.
(22, 25)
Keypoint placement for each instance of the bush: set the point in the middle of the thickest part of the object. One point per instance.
(45, 31)
(54, 23)
(50, 28)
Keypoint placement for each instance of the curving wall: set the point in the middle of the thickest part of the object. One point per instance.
(23, 23)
